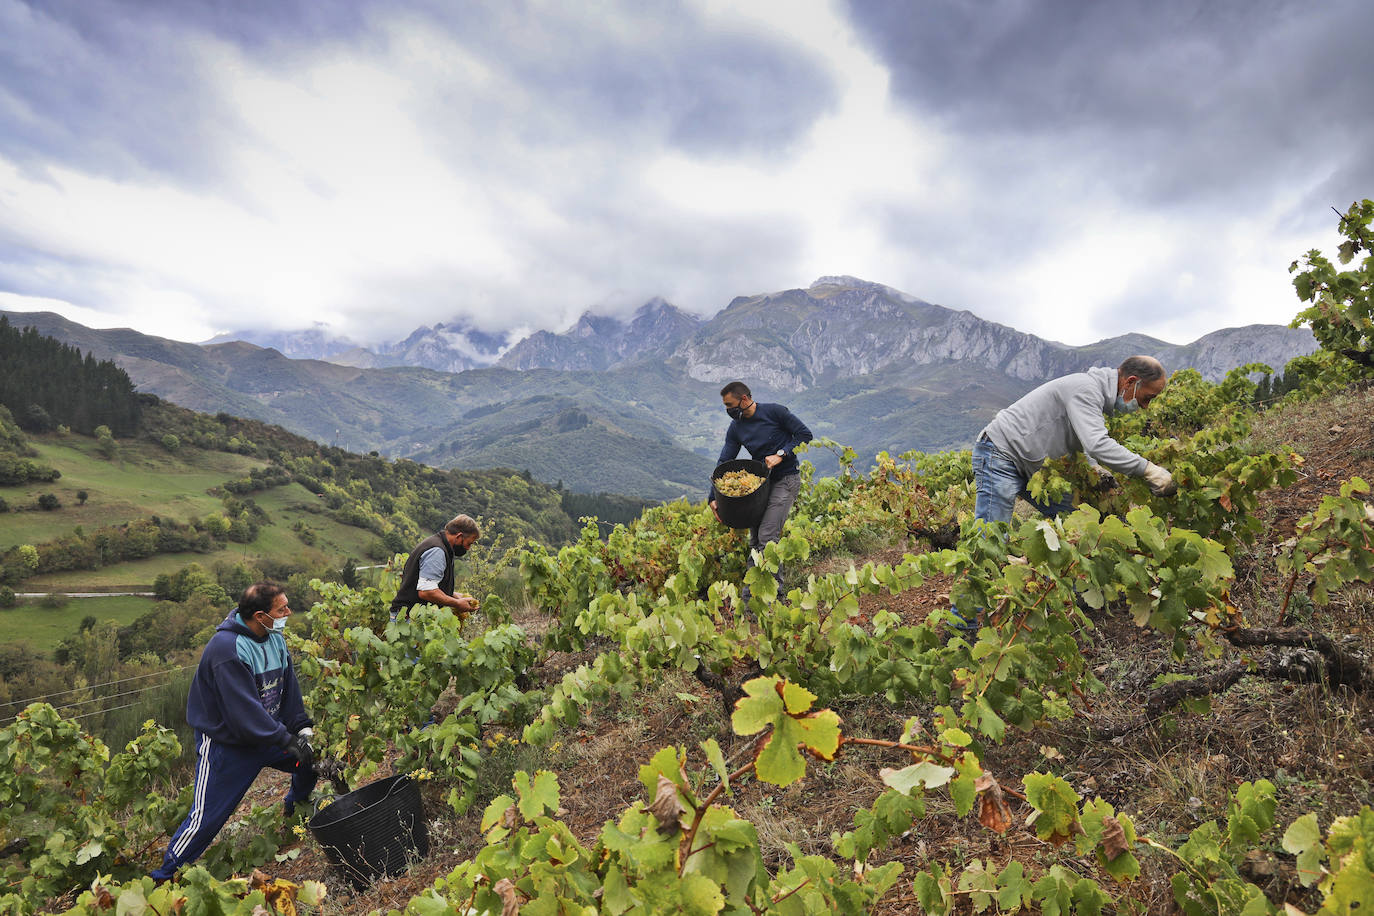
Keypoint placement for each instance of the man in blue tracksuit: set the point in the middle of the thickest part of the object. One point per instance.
(770, 432)
(245, 706)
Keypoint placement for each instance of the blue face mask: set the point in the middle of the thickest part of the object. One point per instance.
(278, 624)
(1122, 405)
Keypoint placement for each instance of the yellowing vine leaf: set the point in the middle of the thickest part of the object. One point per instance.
(772, 701)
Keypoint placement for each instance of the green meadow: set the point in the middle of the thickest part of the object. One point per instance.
(142, 479)
(44, 627)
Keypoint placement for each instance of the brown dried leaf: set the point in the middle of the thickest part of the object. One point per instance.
(103, 898)
(1225, 500)
(510, 819)
(1113, 838)
(993, 812)
(666, 806)
(258, 879)
(510, 897)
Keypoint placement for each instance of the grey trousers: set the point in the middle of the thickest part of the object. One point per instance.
(782, 494)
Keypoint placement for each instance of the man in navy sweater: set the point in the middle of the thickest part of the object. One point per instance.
(770, 432)
(245, 706)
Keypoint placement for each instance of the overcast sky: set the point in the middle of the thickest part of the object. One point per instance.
(1073, 169)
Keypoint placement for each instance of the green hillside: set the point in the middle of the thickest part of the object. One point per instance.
(556, 439)
(45, 628)
(90, 511)
(142, 480)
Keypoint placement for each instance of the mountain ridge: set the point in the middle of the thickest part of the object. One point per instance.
(859, 362)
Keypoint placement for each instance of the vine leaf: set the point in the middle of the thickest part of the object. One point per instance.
(784, 706)
(908, 779)
(993, 812)
(667, 763)
(964, 790)
(1056, 807)
(701, 895)
(666, 806)
(616, 897)
(1112, 835)
(312, 893)
(537, 796)
(1113, 838)
(716, 758)
(510, 897)
(1304, 839)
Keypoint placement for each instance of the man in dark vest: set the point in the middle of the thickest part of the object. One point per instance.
(428, 574)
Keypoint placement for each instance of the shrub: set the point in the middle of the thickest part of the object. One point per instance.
(105, 442)
(48, 502)
(36, 419)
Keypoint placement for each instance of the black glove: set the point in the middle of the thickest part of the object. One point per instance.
(299, 747)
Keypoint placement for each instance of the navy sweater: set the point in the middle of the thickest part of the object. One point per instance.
(772, 427)
(245, 690)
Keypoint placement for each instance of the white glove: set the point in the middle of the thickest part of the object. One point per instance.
(1161, 481)
(307, 731)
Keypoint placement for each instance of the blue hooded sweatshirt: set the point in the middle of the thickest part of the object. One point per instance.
(245, 690)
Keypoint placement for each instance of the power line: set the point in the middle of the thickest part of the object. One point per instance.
(112, 696)
(98, 712)
(108, 696)
(53, 696)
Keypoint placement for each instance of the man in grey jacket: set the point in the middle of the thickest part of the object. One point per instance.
(1062, 417)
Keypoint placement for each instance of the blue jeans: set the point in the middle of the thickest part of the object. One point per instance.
(999, 482)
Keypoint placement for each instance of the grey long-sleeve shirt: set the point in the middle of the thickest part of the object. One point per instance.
(1061, 417)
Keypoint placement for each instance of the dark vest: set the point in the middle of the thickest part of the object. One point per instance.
(407, 596)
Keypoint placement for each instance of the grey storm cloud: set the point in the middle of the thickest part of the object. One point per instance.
(111, 86)
(657, 65)
(1180, 99)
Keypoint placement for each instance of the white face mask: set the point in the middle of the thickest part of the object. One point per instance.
(278, 623)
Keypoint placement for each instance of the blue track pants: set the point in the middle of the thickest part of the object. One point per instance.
(224, 773)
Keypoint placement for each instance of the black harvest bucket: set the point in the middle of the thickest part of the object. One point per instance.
(374, 831)
(742, 511)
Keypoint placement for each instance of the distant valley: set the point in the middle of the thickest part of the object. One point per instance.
(631, 406)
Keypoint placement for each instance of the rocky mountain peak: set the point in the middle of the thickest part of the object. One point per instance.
(841, 280)
(602, 342)
(844, 327)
